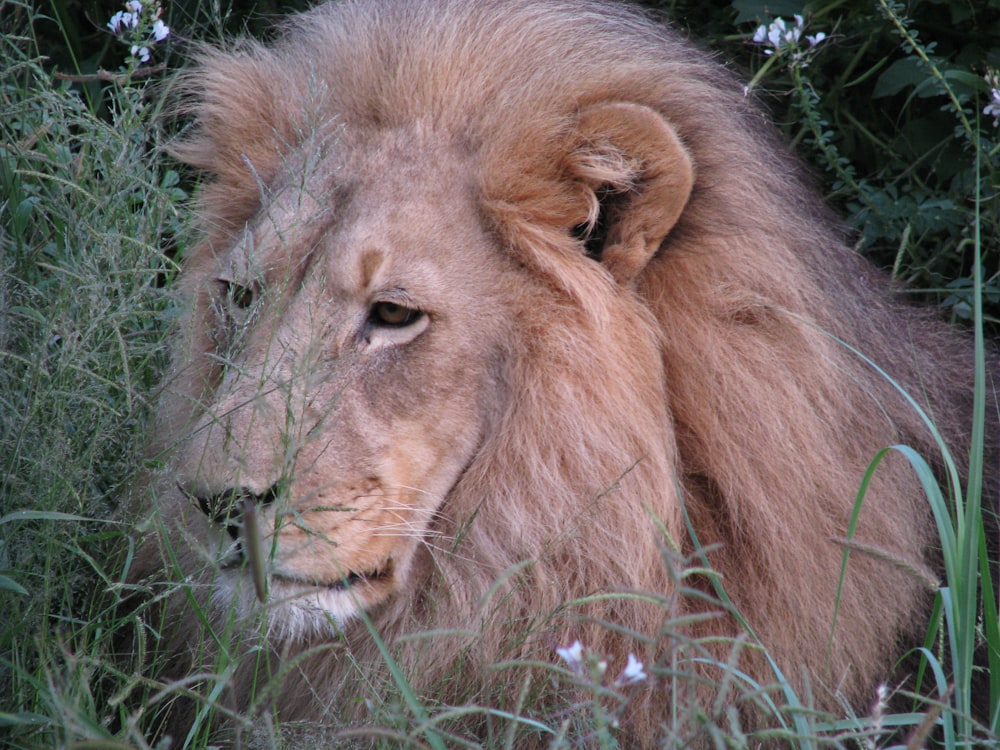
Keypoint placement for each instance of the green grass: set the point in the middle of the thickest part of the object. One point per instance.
(91, 217)
(86, 205)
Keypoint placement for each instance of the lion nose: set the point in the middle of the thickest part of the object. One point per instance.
(228, 507)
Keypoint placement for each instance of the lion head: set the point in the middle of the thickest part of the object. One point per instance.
(495, 302)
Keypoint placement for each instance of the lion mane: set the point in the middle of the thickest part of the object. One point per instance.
(499, 313)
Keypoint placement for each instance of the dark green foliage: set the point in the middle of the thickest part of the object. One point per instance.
(87, 210)
(891, 127)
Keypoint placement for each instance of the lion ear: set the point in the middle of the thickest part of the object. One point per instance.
(638, 177)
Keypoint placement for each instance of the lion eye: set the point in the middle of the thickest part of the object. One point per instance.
(241, 296)
(392, 315)
(234, 307)
(237, 298)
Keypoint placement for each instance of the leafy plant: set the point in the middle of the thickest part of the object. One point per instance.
(894, 124)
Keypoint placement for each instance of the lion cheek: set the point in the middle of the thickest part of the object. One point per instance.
(354, 555)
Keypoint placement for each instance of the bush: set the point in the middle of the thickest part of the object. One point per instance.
(889, 110)
(89, 212)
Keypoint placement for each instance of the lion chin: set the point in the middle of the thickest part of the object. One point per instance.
(293, 611)
(504, 318)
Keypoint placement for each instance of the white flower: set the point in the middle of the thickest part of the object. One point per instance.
(779, 35)
(633, 672)
(573, 656)
(144, 18)
(993, 108)
(122, 20)
(160, 30)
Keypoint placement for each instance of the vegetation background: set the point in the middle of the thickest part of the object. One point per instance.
(888, 109)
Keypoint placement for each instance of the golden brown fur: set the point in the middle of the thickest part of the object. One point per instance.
(530, 446)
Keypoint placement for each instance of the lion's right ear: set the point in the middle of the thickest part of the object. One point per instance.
(638, 177)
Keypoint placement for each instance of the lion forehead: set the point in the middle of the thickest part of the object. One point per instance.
(503, 87)
(396, 211)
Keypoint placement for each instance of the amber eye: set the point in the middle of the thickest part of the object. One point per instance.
(392, 315)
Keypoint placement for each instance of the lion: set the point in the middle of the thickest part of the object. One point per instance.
(500, 313)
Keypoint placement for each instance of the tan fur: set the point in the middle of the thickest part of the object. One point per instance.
(532, 440)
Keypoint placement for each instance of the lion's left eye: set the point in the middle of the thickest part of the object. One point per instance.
(242, 296)
(392, 315)
(239, 297)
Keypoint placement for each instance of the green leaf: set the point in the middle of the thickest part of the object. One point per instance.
(965, 79)
(9, 584)
(40, 515)
(22, 719)
(902, 74)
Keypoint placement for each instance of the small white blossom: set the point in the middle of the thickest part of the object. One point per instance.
(572, 655)
(633, 672)
(793, 34)
(121, 21)
(160, 30)
(780, 35)
(139, 26)
(993, 108)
